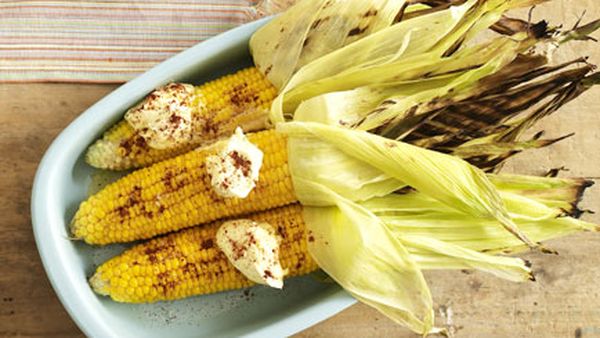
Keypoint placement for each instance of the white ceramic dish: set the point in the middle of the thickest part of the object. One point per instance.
(62, 181)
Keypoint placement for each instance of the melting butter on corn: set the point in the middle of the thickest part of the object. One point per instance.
(164, 118)
(235, 168)
(253, 248)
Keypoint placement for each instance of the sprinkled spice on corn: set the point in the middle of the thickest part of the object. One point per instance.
(189, 263)
(177, 193)
(240, 99)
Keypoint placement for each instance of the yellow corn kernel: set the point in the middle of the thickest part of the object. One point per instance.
(240, 99)
(177, 193)
(203, 273)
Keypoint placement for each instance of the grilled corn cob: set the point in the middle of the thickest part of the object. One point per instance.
(189, 263)
(242, 99)
(177, 193)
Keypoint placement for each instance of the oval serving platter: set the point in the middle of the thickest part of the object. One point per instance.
(62, 182)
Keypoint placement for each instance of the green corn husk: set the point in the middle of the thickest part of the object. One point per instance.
(446, 178)
(560, 194)
(314, 28)
(358, 243)
(438, 237)
(477, 128)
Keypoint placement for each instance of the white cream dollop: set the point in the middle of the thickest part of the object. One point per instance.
(253, 248)
(235, 168)
(164, 118)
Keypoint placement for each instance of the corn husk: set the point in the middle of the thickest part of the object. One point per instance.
(387, 45)
(482, 122)
(376, 57)
(380, 167)
(425, 218)
(363, 232)
(485, 129)
(445, 96)
(561, 194)
(361, 254)
(458, 218)
(409, 100)
(313, 28)
(448, 179)
(392, 238)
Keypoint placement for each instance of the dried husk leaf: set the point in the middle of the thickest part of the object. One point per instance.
(313, 28)
(446, 178)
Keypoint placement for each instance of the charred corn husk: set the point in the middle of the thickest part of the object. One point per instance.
(177, 193)
(189, 263)
(479, 129)
(219, 106)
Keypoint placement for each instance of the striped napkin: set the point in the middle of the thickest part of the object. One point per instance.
(109, 40)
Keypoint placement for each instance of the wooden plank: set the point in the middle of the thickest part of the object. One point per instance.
(31, 115)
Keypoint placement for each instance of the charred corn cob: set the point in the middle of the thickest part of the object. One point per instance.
(177, 193)
(242, 99)
(189, 263)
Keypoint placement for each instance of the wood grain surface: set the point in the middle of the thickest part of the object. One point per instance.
(564, 302)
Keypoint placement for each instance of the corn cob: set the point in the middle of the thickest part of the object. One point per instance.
(242, 99)
(177, 193)
(189, 263)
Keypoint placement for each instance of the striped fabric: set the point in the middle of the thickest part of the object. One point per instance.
(105, 40)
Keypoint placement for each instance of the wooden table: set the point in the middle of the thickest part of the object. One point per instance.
(565, 301)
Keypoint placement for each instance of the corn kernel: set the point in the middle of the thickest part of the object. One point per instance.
(203, 271)
(231, 96)
(184, 204)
